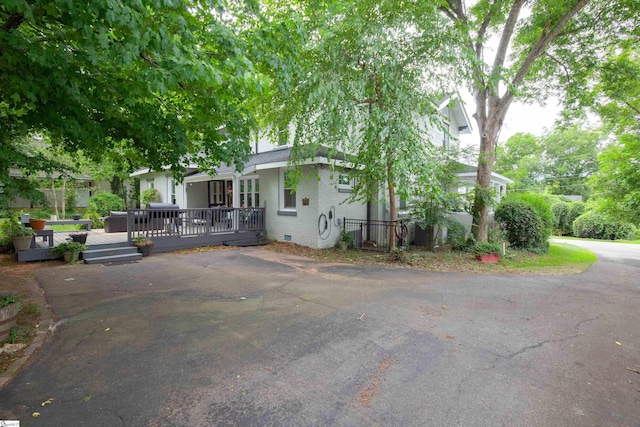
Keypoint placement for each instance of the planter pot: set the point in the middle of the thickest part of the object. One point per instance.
(22, 243)
(145, 250)
(76, 217)
(493, 257)
(79, 237)
(343, 245)
(38, 224)
(70, 257)
(8, 317)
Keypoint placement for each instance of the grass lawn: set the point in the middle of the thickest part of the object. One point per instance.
(631, 242)
(561, 259)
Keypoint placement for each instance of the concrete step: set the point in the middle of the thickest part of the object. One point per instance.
(112, 254)
(98, 253)
(114, 258)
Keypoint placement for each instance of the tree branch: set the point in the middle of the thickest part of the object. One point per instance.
(13, 22)
(483, 27)
(543, 42)
(557, 61)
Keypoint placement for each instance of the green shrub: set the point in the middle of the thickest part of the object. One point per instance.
(538, 202)
(94, 216)
(594, 225)
(457, 235)
(561, 224)
(103, 203)
(149, 195)
(523, 226)
(575, 210)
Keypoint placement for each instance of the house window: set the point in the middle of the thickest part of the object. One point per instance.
(289, 198)
(216, 188)
(249, 192)
(402, 204)
(287, 194)
(283, 137)
(172, 190)
(345, 183)
(150, 183)
(445, 135)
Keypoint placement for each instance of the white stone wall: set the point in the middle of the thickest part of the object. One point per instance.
(302, 228)
(330, 199)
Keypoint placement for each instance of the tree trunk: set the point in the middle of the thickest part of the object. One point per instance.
(490, 113)
(64, 198)
(392, 204)
(55, 196)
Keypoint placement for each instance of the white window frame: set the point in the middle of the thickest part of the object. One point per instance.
(281, 191)
(348, 187)
(246, 183)
(171, 190)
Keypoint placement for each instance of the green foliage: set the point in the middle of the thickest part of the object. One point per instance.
(163, 82)
(457, 235)
(148, 196)
(523, 225)
(538, 202)
(59, 250)
(367, 87)
(141, 242)
(616, 186)
(347, 237)
(12, 227)
(595, 225)
(7, 299)
(95, 217)
(103, 203)
(561, 223)
(487, 248)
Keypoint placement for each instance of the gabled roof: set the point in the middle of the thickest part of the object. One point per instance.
(459, 113)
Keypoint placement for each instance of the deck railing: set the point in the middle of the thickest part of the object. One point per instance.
(178, 223)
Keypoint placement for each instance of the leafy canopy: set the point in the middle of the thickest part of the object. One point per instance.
(167, 82)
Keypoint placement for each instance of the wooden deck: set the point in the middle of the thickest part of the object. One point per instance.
(170, 229)
(94, 238)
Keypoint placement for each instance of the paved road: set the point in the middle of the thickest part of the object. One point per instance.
(620, 253)
(250, 337)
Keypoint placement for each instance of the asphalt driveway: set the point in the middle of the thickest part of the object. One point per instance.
(251, 337)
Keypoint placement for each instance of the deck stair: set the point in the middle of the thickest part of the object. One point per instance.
(112, 254)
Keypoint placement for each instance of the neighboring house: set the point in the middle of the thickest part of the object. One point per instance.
(310, 216)
(467, 183)
(85, 187)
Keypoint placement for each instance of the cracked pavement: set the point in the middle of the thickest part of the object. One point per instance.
(252, 337)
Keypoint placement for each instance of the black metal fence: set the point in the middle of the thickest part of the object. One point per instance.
(374, 235)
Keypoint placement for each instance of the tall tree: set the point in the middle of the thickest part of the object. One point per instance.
(541, 46)
(559, 162)
(369, 86)
(519, 158)
(616, 185)
(167, 79)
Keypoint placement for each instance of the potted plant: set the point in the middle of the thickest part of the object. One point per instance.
(38, 224)
(345, 241)
(21, 236)
(76, 216)
(144, 245)
(9, 309)
(69, 251)
(487, 252)
(79, 237)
